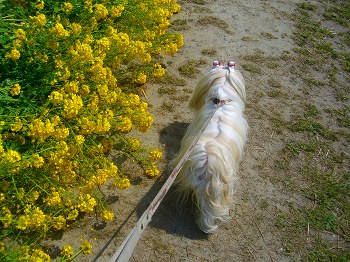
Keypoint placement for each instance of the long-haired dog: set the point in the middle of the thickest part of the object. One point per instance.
(209, 174)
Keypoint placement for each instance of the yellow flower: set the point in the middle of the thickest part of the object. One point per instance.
(103, 44)
(133, 144)
(39, 20)
(152, 170)
(33, 196)
(80, 139)
(87, 203)
(76, 28)
(122, 183)
(146, 58)
(56, 97)
(155, 155)
(40, 5)
(100, 11)
(88, 5)
(14, 54)
(73, 215)
(2, 247)
(20, 34)
(71, 87)
(17, 125)
(41, 130)
(15, 90)
(107, 215)
(103, 125)
(72, 105)
(67, 7)
(32, 218)
(12, 156)
(38, 255)
(124, 124)
(17, 43)
(66, 251)
(117, 11)
(37, 161)
(61, 133)
(140, 79)
(86, 247)
(6, 217)
(84, 90)
(54, 199)
(59, 222)
(2, 197)
(145, 124)
(122, 39)
(159, 71)
(59, 31)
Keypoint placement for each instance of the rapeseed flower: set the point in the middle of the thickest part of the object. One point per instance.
(40, 5)
(14, 54)
(66, 251)
(59, 31)
(86, 247)
(88, 66)
(152, 170)
(20, 34)
(67, 7)
(100, 11)
(39, 20)
(76, 28)
(122, 183)
(159, 71)
(116, 11)
(141, 79)
(155, 155)
(107, 215)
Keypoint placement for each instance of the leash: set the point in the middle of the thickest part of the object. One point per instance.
(126, 249)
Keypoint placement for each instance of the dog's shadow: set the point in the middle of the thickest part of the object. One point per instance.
(169, 216)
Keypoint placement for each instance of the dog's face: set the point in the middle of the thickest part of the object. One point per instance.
(220, 75)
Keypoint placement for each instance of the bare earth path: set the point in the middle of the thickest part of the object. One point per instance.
(225, 30)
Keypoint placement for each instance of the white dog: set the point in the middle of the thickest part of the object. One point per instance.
(209, 174)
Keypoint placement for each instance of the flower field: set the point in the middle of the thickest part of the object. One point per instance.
(70, 75)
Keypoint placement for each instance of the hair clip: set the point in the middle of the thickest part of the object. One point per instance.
(231, 64)
(216, 63)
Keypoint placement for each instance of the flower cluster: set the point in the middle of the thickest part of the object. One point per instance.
(71, 93)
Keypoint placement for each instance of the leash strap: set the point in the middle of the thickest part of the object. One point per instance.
(126, 249)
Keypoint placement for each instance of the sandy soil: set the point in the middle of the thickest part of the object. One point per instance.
(251, 234)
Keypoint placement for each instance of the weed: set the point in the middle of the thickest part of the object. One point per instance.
(214, 21)
(307, 6)
(170, 79)
(168, 106)
(167, 91)
(190, 68)
(249, 39)
(274, 83)
(340, 14)
(268, 35)
(209, 52)
(180, 25)
(199, 2)
(252, 68)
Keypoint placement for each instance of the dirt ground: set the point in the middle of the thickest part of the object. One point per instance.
(225, 30)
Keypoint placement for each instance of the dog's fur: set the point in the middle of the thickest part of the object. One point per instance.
(209, 174)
